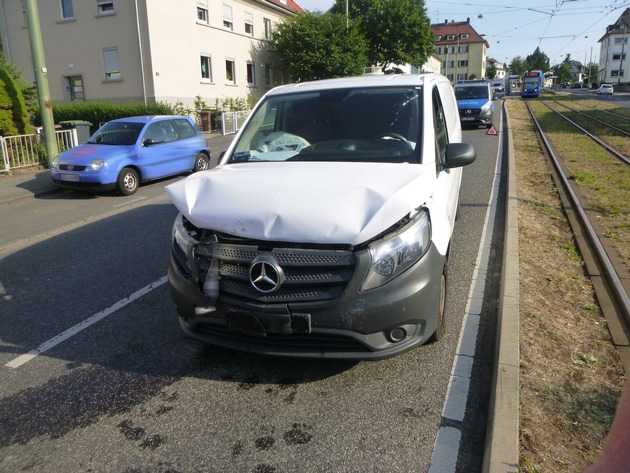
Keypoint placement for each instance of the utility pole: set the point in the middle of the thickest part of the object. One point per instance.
(41, 78)
(347, 15)
(590, 70)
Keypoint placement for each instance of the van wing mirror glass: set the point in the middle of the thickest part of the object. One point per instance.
(459, 154)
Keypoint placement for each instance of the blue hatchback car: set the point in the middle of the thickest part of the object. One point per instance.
(127, 151)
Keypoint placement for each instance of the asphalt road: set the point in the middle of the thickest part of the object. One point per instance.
(131, 394)
(619, 98)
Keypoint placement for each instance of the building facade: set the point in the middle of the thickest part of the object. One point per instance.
(151, 50)
(500, 68)
(461, 50)
(614, 49)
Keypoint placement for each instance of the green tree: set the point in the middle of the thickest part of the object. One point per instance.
(315, 46)
(491, 72)
(397, 31)
(14, 107)
(537, 60)
(518, 66)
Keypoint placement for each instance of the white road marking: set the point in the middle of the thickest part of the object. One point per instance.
(72, 331)
(448, 439)
(129, 202)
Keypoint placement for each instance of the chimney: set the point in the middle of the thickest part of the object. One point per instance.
(446, 22)
(468, 20)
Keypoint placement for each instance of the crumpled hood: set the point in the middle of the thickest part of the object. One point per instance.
(85, 154)
(302, 202)
(472, 103)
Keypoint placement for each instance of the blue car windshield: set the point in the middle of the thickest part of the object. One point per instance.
(471, 92)
(117, 134)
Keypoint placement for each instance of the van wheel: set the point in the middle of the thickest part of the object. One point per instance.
(440, 331)
(128, 181)
(202, 163)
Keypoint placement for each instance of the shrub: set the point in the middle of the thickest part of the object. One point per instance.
(98, 113)
(14, 115)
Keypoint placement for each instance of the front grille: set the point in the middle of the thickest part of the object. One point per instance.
(71, 167)
(311, 274)
(314, 342)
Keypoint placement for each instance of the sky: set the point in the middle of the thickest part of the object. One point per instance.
(515, 28)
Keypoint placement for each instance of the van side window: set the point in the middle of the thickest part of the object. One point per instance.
(441, 132)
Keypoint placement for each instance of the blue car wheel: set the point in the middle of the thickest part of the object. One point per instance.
(202, 162)
(128, 181)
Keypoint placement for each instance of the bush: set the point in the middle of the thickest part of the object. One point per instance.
(98, 113)
(14, 115)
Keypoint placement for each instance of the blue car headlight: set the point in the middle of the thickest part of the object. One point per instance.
(97, 164)
(396, 253)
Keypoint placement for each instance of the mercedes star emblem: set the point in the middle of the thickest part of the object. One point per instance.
(266, 274)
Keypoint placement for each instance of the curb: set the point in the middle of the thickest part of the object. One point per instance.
(501, 453)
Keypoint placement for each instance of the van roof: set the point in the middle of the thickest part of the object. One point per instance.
(383, 80)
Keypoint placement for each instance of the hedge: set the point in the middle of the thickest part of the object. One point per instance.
(101, 112)
(14, 117)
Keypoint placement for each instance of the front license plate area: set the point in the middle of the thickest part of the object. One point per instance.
(468, 119)
(70, 177)
(246, 323)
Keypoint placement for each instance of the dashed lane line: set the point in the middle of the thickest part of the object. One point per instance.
(75, 329)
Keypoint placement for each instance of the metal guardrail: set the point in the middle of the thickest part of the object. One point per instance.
(21, 151)
(231, 122)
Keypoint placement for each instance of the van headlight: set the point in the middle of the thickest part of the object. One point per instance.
(399, 251)
(181, 237)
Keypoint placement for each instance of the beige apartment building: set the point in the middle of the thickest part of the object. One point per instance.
(462, 51)
(153, 50)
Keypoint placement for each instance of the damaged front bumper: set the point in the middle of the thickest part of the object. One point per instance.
(354, 325)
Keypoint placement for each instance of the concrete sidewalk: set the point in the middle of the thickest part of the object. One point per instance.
(27, 183)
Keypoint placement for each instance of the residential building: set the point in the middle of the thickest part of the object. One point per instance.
(462, 51)
(151, 50)
(499, 66)
(614, 51)
(432, 64)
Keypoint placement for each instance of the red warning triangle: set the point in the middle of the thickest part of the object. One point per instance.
(492, 131)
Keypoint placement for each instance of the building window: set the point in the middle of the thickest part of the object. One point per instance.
(227, 17)
(267, 23)
(251, 73)
(452, 49)
(67, 10)
(206, 68)
(438, 37)
(249, 24)
(464, 36)
(617, 57)
(202, 15)
(268, 75)
(616, 73)
(105, 7)
(450, 37)
(463, 63)
(452, 64)
(111, 62)
(74, 87)
(621, 40)
(230, 72)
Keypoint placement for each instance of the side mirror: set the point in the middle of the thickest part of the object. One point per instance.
(151, 142)
(459, 154)
(221, 155)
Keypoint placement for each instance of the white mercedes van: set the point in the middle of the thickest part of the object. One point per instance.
(326, 227)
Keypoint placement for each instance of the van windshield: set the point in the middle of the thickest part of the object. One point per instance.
(378, 124)
(117, 133)
(469, 92)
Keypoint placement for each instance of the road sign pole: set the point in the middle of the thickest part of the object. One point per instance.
(41, 79)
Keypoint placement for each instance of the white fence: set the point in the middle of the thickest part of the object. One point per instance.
(21, 151)
(231, 122)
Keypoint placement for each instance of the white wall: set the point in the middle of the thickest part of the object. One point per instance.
(178, 39)
(610, 46)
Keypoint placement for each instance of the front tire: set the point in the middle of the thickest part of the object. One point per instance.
(202, 163)
(128, 181)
